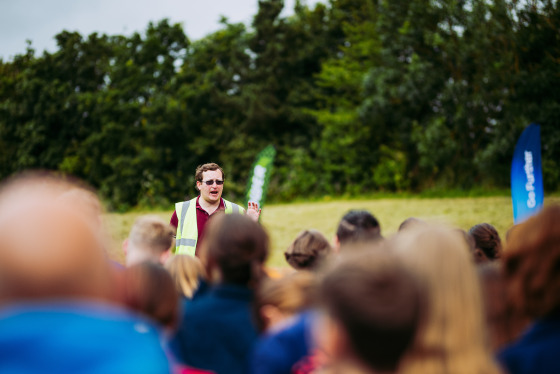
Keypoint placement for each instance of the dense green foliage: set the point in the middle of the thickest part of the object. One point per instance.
(356, 95)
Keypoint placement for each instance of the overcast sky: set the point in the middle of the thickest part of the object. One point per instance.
(41, 20)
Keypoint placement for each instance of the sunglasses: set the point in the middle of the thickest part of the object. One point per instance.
(211, 182)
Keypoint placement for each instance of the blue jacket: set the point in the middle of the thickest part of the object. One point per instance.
(278, 352)
(537, 351)
(217, 330)
(78, 337)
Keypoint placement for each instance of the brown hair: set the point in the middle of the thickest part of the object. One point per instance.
(308, 250)
(358, 226)
(504, 326)
(149, 289)
(377, 303)
(290, 294)
(237, 247)
(186, 272)
(487, 240)
(152, 233)
(451, 337)
(532, 263)
(207, 167)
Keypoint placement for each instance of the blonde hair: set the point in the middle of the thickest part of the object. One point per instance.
(451, 336)
(153, 234)
(186, 272)
(290, 294)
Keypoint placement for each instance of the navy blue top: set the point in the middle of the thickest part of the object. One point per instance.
(280, 351)
(217, 330)
(537, 351)
(78, 337)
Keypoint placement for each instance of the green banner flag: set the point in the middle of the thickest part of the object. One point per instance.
(260, 176)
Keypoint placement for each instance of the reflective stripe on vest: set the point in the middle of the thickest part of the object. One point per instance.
(187, 229)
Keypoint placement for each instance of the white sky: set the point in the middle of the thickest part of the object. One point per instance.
(41, 20)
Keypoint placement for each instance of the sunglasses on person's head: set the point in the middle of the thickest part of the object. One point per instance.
(211, 182)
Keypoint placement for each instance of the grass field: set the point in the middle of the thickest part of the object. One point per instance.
(284, 221)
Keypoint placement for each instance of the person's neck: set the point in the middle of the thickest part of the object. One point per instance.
(209, 207)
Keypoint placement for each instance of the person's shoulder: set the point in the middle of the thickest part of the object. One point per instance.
(200, 296)
(206, 302)
(231, 203)
(68, 323)
(290, 335)
(187, 201)
(270, 355)
(538, 346)
(278, 351)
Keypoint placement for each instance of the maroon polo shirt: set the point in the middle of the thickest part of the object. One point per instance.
(202, 218)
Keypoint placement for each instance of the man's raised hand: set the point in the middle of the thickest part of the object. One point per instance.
(253, 211)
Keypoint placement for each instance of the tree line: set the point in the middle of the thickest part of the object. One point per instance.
(356, 96)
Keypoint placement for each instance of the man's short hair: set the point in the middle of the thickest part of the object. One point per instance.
(207, 167)
(358, 226)
(153, 234)
(376, 302)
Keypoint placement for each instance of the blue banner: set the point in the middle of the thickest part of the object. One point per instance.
(527, 192)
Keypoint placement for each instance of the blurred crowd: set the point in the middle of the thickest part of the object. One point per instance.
(430, 299)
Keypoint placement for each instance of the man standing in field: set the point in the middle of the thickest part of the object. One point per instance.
(190, 217)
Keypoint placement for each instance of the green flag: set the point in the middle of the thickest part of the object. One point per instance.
(260, 176)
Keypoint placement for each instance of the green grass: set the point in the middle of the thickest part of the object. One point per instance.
(284, 221)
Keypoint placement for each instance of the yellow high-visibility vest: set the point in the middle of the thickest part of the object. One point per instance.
(187, 228)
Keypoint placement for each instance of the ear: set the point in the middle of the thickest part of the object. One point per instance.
(336, 244)
(125, 247)
(164, 256)
(213, 273)
(479, 256)
(330, 336)
(271, 315)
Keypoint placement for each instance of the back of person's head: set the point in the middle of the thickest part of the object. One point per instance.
(276, 300)
(150, 291)
(308, 251)
(150, 239)
(503, 325)
(43, 186)
(49, 249)
(531, 264)
(451, 338)
(488, 246)
(410, 222)
(86, 199)
(494, 292)
(186, 272)
(373, 305)
(358, 226)
(234, 250)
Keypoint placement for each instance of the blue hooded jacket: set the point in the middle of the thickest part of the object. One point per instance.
(78, 337)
